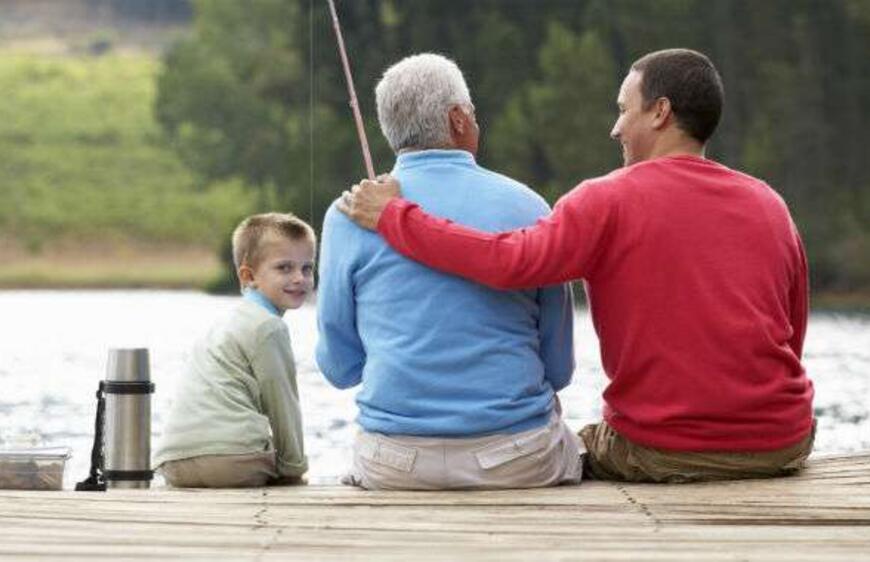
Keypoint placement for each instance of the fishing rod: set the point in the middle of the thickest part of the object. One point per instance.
(354, 104)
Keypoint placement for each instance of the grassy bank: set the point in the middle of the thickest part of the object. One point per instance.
(858, 302)
(199, 269)
(110, 268)
(82, 159)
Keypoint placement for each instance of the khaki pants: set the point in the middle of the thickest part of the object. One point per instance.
(221, 471)
(613, 457)
(544, 456)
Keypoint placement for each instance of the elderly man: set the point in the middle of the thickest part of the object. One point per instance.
(458, 381)
(697, 284)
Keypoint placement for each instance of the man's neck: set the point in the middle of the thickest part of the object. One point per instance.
(677, 146)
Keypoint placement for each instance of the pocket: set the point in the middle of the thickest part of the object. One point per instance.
(376, 450)
(511, 449)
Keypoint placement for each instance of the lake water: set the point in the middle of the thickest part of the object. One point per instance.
(53, 349)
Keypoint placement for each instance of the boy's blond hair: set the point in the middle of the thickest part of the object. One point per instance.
(248, 236)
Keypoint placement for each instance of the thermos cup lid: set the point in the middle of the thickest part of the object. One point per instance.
(128, 365)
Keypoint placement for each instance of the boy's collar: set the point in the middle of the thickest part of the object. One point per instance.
(256, 297)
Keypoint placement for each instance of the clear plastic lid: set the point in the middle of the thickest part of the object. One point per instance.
(36, 453)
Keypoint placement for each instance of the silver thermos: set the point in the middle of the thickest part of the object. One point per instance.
(127, 422)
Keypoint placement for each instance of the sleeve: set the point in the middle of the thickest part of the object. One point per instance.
(339, 353)
(556, 329)
(275, 371)
(799, 297)
(560, 247)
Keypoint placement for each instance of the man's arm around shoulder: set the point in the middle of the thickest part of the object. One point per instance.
(558, 248)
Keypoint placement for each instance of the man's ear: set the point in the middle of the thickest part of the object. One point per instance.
(458, 120)
(662, 113)
(246, 276)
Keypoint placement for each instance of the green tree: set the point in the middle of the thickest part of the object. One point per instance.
(557, 128)
(219, 98)
(256, 93)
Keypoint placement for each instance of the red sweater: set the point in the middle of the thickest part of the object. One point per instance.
(697, 285)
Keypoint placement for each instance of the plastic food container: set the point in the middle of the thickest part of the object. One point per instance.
(33, 469)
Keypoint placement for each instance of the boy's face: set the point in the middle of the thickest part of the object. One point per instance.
(285, 273)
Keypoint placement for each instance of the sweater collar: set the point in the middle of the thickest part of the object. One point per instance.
(435, 156)
(258, 298)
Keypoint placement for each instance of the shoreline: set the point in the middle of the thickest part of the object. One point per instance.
(123, 266)
(199, 272)
(110, 268)
(839, 302)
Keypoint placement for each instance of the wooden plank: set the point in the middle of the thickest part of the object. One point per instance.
(823, 514)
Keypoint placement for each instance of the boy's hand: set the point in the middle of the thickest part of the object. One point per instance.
(365, 202)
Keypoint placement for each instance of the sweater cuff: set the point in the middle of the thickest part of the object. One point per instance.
(292, 468)
(391, 213)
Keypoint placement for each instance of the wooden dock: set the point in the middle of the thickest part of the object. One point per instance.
(823, 514)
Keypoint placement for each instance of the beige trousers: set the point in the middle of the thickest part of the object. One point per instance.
(544, 456)
(221, 471)
(613, 457)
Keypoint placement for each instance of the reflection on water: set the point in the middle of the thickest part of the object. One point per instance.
(53, 349)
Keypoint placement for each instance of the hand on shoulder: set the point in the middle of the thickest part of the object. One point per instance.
(365, 202)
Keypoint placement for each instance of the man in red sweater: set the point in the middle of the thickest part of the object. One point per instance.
(696, 279)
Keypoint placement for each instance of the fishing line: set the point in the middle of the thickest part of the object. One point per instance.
(311, 111)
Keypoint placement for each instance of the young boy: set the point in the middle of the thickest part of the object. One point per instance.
(235, 421)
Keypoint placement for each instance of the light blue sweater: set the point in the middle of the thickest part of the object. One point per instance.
(438, 355)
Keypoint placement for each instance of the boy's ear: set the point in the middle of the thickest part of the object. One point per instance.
(246, 275)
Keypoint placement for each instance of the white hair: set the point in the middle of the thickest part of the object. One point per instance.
(413, 98)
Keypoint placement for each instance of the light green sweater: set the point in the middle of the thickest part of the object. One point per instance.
(239, 394)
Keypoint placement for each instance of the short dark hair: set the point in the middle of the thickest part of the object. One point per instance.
(690, 82)
(248, 236)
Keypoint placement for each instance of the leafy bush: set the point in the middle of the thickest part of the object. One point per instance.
(83, 158)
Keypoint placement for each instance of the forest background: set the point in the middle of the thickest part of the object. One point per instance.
(134, 135)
